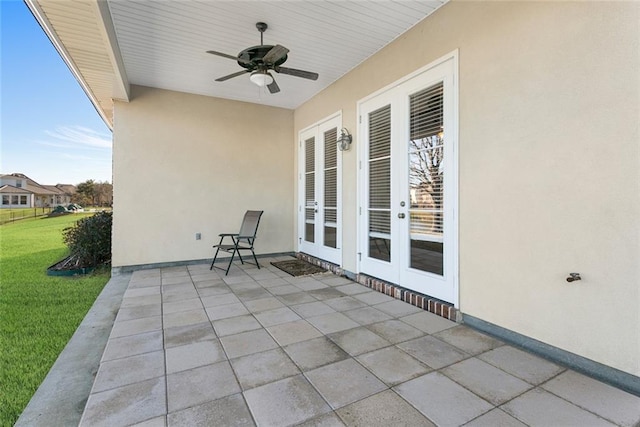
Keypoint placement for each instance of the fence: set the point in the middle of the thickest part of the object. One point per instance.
(11, 215)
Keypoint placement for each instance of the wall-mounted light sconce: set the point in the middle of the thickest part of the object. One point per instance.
(344, 140)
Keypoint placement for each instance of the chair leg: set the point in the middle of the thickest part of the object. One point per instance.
(214, 259)
(230, 262)
(255, 259)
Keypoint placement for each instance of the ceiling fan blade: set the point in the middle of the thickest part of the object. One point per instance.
(224, 55)
(276, 53)
(230, 76)
(297, 73)
(273, 87)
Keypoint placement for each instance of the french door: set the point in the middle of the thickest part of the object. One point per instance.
(319, 198)
(408, 185)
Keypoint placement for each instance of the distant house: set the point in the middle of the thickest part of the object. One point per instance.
(20, 191)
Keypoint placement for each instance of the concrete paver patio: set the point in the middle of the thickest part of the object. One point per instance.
(193, 347)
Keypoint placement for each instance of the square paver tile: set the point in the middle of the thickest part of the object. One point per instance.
(183, 318)
(138, 312)
(284, 290)
(212, 291)
(335, 280)
(615, 405)
(292, 332)
(358, 340)
(296, 298)
(468, 340)
(374, 297)
(541, 408)
(263, 304)
(495, 418)
(120, 372)
(262, 368)
(285, 402)
(311, 285)
(344, 303)
(131, 345)
(178, 293)
(353, 289)
(383, 409)
(397, 308)
(188, 334)
(200, 385)
(252, 294)
(183, 305)
(136, 326)
(487, 381)
(235, 325)
(326, 293)
(443, 401)
(366, 315)
(141, 292)
(395, 331)
(126, 405)
(220, 299)
(152, 422)
(344, 382)
(315, 352)
(229, 411)
(311, 309)
(332, 322)
(428, 322)
(435, 353)
(327, 420)
(142, 300)
(523, 365)
(272, 283)
(224, 311)
(276, 316)
(247, 343)
(194, 355)
(392, 365)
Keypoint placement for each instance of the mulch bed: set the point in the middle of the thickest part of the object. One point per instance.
(297, 267)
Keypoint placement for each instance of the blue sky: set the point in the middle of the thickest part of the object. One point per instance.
(49, 130)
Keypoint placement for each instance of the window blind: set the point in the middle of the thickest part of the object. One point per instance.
(379, 209)
(426, 167)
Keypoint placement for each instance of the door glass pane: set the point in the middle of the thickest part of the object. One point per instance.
(330, 187)
(310, 190)
(379, 209)
(426, 179)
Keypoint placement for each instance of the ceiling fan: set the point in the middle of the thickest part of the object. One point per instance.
(259, 60)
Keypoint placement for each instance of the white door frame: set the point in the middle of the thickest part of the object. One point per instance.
(376, 100)
(318, 249)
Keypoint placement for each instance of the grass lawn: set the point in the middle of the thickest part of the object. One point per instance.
(38, 313)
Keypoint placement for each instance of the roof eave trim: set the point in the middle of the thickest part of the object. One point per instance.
(37, 12)
(121, 88)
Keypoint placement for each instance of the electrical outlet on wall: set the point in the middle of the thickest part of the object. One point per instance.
(198, 236)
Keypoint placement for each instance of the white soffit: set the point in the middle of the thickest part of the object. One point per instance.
(163, 44)
(80, 33)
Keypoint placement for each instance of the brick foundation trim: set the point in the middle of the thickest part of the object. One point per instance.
(425, 302)
(417, 299)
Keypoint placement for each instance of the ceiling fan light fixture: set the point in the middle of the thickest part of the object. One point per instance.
(261, 79)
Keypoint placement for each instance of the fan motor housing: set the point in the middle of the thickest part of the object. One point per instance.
(255, 54)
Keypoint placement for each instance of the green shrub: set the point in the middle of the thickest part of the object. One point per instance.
(90, 240)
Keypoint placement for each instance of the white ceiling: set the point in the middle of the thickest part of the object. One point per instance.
(163, 43)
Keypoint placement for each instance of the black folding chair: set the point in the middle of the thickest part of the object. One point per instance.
(242, 241)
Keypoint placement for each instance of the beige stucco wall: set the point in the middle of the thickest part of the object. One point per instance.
(549, 164)
(187, 164)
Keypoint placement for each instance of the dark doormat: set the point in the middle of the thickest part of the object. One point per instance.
(297, 267)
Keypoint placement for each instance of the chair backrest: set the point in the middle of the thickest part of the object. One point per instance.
(249, 226)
